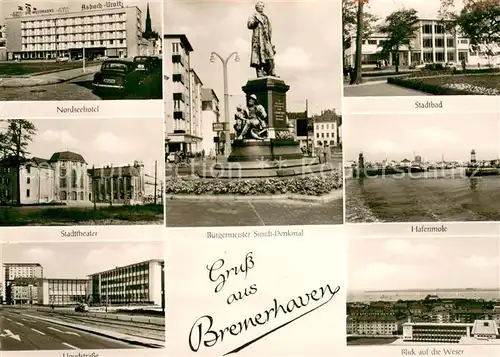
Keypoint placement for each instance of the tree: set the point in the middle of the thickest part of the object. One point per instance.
(478, 20)
(356, 76)
(400, 28)
(349, 11)
(14, 141)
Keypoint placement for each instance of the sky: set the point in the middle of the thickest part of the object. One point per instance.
(7, 7)
(79, 259)
(396, 136)
(423, 263)
(102, 142)
(306, 35)
(427, 9)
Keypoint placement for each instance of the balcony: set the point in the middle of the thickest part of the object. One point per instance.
(177, 59)
(178, 78)
(178, 114)
(180, 96)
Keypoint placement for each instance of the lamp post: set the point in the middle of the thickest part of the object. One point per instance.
(226, 95)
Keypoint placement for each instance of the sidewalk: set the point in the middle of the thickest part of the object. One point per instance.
(105, 332)
(48, 78)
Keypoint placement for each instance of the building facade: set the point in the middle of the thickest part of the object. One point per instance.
(104, 29)
(61, 292)
(372, 325)
(183, 97)
(436, 332)
(326, 129)
(210, 114)
(125, 184)
(20, 282)
(66, 178)
(431, 44)
(139, 283)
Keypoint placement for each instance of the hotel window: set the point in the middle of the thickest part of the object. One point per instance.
(427, 29)
(439, 29)
(439, 42)
(450, 42)
(28, 192)
(439, 56)
(28, 181)
(427, 43)
(372, 42)
(175, 48)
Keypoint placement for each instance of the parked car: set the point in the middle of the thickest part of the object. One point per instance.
(117, 76)
(147, 63)
(62, 59)
(82, 308)
(171, 158)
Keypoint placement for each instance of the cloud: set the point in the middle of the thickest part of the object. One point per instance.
(435, 135)
(38, 254)
(404, 247)
(62, 137)
(481, 262)
(293, 58)
(382, 275)
(112, 144)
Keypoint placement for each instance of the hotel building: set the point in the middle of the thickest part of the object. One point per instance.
(67, 178)
(139, 283)
(105, 29)
(20, 282)
(326, 129)
(372, 325)
(431, 44)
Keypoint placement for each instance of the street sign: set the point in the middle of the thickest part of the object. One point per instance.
(219, 126)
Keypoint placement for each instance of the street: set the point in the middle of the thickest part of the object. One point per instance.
(182, 213)
(21, 331)
(29, 329)
(78, 89)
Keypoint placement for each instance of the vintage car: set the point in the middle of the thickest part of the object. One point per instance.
(117, 76)
(147, 63)
(82, 308)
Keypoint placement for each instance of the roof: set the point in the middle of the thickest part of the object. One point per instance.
(119, 171)
(442, 324)
(23, 264)
(183, 40)
(373, 318)
(67, 156)
(485, 327)
(128, 265)
(208, 94)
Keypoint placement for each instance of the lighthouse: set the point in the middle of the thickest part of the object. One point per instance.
(473, 156)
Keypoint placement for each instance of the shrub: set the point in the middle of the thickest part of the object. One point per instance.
(427, 88)
(304, 185)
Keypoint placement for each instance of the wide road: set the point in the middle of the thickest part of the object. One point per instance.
(77, 89)
(19, 332)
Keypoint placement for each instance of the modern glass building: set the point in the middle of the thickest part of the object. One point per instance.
(63, 291)
(134, 284)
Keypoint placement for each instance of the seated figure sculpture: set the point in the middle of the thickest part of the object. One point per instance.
(251, 123)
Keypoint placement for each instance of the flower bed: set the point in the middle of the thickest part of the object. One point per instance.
(484, 84)
(308, 185)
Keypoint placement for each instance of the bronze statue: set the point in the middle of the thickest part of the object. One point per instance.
(263, 51)
(251, 123)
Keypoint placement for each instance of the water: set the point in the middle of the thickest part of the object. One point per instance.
(445, 195)
(370, 296)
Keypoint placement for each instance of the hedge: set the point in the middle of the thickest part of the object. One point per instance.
(303, 185)
(427, 88)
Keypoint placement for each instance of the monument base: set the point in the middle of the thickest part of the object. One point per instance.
(258, 150)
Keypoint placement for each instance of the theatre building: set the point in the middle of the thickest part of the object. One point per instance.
(105, 29)
(139, 284)
(62, 292)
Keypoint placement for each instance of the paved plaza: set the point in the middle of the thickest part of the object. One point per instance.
(379, 89)
(182, 213)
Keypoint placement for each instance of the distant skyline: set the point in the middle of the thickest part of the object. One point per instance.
(304, 34)
(428, 9)
(423, 263)
(432, 136)
(102, 142)
(80, 259)
(7, 7)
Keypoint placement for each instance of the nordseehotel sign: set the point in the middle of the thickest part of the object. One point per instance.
(28, 11)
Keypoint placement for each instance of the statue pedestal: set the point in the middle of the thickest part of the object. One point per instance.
(279, 155)
(280, 144)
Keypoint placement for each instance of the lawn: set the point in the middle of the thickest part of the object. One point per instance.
(46, 215)
(27, 68)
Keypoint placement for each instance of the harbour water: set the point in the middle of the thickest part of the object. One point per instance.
(441, 195)
(395, 295)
